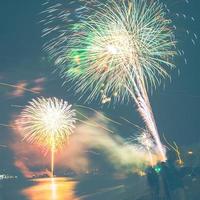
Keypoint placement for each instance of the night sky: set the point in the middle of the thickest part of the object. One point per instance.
(22, 62)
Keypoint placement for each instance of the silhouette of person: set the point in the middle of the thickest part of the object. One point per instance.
(166, 180)
(153, 182)
(172, 181)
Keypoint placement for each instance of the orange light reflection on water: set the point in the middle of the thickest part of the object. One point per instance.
(51, 189)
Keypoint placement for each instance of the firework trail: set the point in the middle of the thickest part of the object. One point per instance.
(47, 122)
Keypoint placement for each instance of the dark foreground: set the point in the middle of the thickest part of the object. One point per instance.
(90, 188)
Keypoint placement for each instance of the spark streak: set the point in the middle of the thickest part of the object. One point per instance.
(19, 87)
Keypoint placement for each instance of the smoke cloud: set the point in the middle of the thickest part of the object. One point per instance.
(89, 135)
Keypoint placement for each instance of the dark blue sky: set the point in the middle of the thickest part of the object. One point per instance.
(22, 61)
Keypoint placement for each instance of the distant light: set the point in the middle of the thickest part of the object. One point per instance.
(142, 173)
(7, 176)
(180, 162)
(190, 152)
(157, 169)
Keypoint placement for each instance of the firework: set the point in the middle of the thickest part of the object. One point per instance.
(116, 51)
(47, 122)
(145, 140)
(147, 143)
(114, 46)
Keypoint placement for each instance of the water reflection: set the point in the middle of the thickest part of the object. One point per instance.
(51, 189)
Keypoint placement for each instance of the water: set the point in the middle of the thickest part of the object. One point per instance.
(87, 188)
(41, 189)
(51, 189)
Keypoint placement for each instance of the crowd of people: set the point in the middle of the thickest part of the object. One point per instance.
(167, 183)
